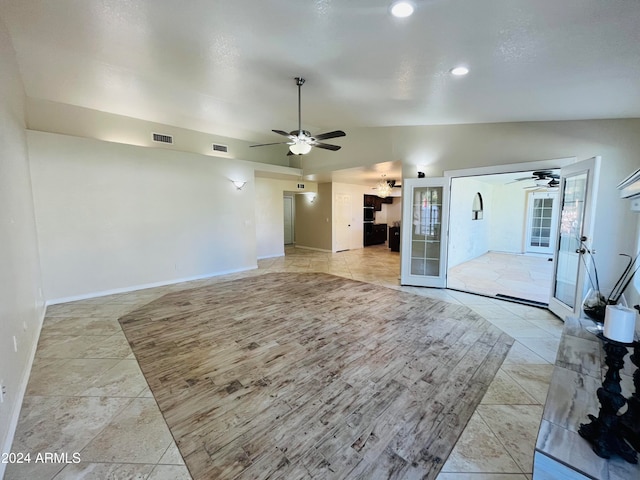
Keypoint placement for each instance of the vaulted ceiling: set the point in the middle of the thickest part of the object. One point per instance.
(227, 67)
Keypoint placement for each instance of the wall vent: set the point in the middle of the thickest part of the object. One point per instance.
(220, 148)
(158, 137)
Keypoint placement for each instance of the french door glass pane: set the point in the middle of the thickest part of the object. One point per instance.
(426, 231)
(571, 221)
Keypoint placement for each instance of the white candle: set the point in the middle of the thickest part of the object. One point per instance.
(619, 323)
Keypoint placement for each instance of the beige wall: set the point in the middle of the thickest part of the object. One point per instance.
(21, 304)
(270, 213)
(314, 219)
(47, 116)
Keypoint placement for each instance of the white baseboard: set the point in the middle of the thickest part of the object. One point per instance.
(313, 248)
(22, 388)
(134, 288)
(277, 255)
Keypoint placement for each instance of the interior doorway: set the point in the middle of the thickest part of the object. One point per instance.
(502, 232)
(288, 220)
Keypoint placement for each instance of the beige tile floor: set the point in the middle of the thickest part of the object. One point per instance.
(522, 276)
(86, 393)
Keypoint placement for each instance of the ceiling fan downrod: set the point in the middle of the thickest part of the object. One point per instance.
(299, 82)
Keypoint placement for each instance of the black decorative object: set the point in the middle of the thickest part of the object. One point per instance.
(604, 432)
(630, 421)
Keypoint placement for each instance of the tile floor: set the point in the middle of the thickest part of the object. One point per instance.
(522, 276)
(86, 393)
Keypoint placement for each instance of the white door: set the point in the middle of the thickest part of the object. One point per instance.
(578, 184)
(342, 204)
(425, 219)
(288, 220)
(542, 220)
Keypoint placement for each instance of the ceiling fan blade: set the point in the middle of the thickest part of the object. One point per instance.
(265, 144)
(326, 146)
(282, 132)
(328, 135)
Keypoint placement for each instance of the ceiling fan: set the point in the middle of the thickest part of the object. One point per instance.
(543, 183)
(301, 141)
(541, 179)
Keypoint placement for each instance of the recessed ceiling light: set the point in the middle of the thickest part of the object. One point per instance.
(402, 9)
(459, 71)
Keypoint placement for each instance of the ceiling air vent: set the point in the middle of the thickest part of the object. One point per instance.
(158, 137)
(220, 148)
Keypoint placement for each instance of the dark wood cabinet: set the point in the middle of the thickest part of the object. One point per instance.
(394, 239)
(374, 233)
(376, 202)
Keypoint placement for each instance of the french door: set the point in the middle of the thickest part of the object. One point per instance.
(575, 233)
(542, 219)
(425, 218)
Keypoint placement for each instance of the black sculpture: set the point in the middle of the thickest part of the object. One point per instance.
(630, 421)
(604, 432)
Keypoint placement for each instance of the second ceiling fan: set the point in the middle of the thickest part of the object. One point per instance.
(301, 141)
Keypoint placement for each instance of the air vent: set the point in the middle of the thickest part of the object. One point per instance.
(220, 148)
(158, 137)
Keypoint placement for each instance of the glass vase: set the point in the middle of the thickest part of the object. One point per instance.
(594, 305)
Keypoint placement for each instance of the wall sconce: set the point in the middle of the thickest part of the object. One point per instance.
(239, 184)
(312, 198)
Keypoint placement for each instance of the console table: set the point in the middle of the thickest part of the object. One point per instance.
(560, 451)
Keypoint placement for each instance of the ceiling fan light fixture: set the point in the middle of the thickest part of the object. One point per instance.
(402, 9)
(300, 148)
(541, 182)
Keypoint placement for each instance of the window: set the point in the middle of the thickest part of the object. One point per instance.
(477, 208)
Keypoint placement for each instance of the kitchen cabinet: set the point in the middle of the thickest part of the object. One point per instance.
(374, 233)
(394, 239)
(376, 202)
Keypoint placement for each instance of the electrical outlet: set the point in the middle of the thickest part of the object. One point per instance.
(3, 391)
(24, 325)
(15, 343)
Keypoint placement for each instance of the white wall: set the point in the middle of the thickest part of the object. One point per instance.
(113, 217)
(21, 306)
(508, 218)
(468, 238)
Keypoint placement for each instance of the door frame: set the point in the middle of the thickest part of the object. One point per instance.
(511, 168)
(406, 235)
(290, 198)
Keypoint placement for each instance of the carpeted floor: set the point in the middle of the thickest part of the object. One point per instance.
(310, 375)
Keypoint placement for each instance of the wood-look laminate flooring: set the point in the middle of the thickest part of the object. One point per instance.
(310, 375)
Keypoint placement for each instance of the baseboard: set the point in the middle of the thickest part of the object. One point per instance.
(22, 389)
(277, 255)
(134, 288)
(314, 249)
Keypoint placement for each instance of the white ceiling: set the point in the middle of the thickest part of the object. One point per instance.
(227, 67)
